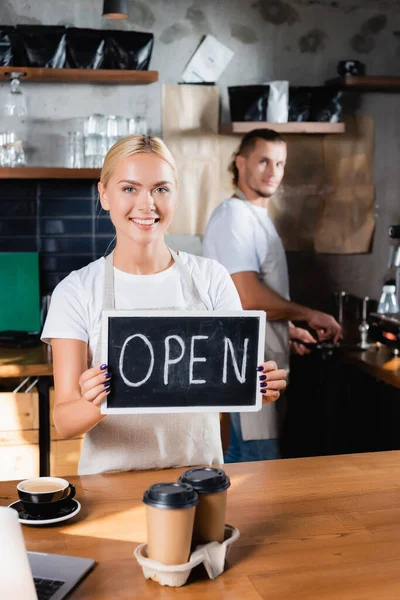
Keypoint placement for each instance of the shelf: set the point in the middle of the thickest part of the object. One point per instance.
(366, 83)
(47, 173)
(292, 127)
(81, 75)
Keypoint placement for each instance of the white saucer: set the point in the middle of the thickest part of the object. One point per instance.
(37, 522)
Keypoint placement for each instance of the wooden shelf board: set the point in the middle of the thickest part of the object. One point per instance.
(47, 173)
(366, 82)
(81, 75)
(292, 127)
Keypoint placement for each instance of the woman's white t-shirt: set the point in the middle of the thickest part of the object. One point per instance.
(77, 301)
(142, 441)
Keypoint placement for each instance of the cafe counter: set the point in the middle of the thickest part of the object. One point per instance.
(380, 363)
(315, 528)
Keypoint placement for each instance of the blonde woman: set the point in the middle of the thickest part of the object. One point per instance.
(139, 188)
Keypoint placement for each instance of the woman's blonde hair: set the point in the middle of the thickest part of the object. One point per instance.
(135, 144)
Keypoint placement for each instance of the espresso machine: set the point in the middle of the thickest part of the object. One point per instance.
(385, 328)
(394, 258)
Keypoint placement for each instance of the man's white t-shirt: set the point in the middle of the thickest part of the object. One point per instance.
(77, 301)
(243, 238)
(235, 239)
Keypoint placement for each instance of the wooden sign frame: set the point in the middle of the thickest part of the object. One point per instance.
(153, 314)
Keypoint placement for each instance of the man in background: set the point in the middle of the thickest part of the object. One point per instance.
(241, 236)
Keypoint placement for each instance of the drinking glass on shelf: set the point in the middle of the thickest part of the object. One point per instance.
(112, 126)
(95, 150)
(91, 145)
(75, 154)
(19, 154)
(138, 125)
(94, 161)
(122, 126)
(97, 161)
(111, 139)
(15, 105)
(116, 126)
(9, 149)
(95, 124)
(89, 162)
(2, 150)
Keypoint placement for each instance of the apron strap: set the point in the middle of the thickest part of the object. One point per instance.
(109, 295)
(108, 301)
(198, 304)
(239, 194)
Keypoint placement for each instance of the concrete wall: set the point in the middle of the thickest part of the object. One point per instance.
(301, 41)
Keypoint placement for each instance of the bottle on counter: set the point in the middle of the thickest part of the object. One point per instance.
(388, 303)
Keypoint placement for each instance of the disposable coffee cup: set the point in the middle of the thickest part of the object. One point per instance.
(45, 495)
(212, 485)
(170, 511)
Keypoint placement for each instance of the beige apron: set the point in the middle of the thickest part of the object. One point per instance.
(274, 273)
(128, 442)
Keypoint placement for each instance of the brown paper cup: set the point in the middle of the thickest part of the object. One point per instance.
(209, 522)
(212, 485)
(170, 512)
(169, 534)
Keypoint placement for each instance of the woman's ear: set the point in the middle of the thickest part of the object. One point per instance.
(103, 196)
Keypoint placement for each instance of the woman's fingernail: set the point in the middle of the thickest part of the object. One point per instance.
(262, 377)
(107, 385)
(264, 384)
(262, 391)
(260, 368)
(107, 375)
(107, 392)
(103, 367)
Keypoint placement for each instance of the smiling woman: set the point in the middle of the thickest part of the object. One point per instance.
(139, 188)
(140, 194)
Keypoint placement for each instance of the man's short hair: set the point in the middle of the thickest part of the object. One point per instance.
(248, 144)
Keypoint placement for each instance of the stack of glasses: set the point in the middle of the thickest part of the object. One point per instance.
(14, 111)
(11, 151)
(88, 148)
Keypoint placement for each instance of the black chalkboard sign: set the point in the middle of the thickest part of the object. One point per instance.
(172, 361)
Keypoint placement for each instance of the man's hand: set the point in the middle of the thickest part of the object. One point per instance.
(325, 326)
(297, 333)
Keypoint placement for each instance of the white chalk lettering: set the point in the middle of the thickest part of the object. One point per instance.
(241, 377)
(172, 361)
(194, 359)
(121, 361)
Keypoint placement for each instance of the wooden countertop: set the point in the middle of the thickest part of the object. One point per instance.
(378, 362)
(315, 528)
(25, 362)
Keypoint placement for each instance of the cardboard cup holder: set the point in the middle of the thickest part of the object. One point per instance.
(212, 555)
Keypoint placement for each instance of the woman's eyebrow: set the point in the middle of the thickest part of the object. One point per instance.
(137, 183)
(162, 183)
(130, 181)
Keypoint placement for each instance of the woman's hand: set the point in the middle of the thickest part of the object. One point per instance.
(95, 384)
(272, 380)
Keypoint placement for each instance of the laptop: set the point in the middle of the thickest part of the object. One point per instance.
(55, 575)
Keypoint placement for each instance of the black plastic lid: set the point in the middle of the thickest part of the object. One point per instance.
(170, 495)
(206, 480)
